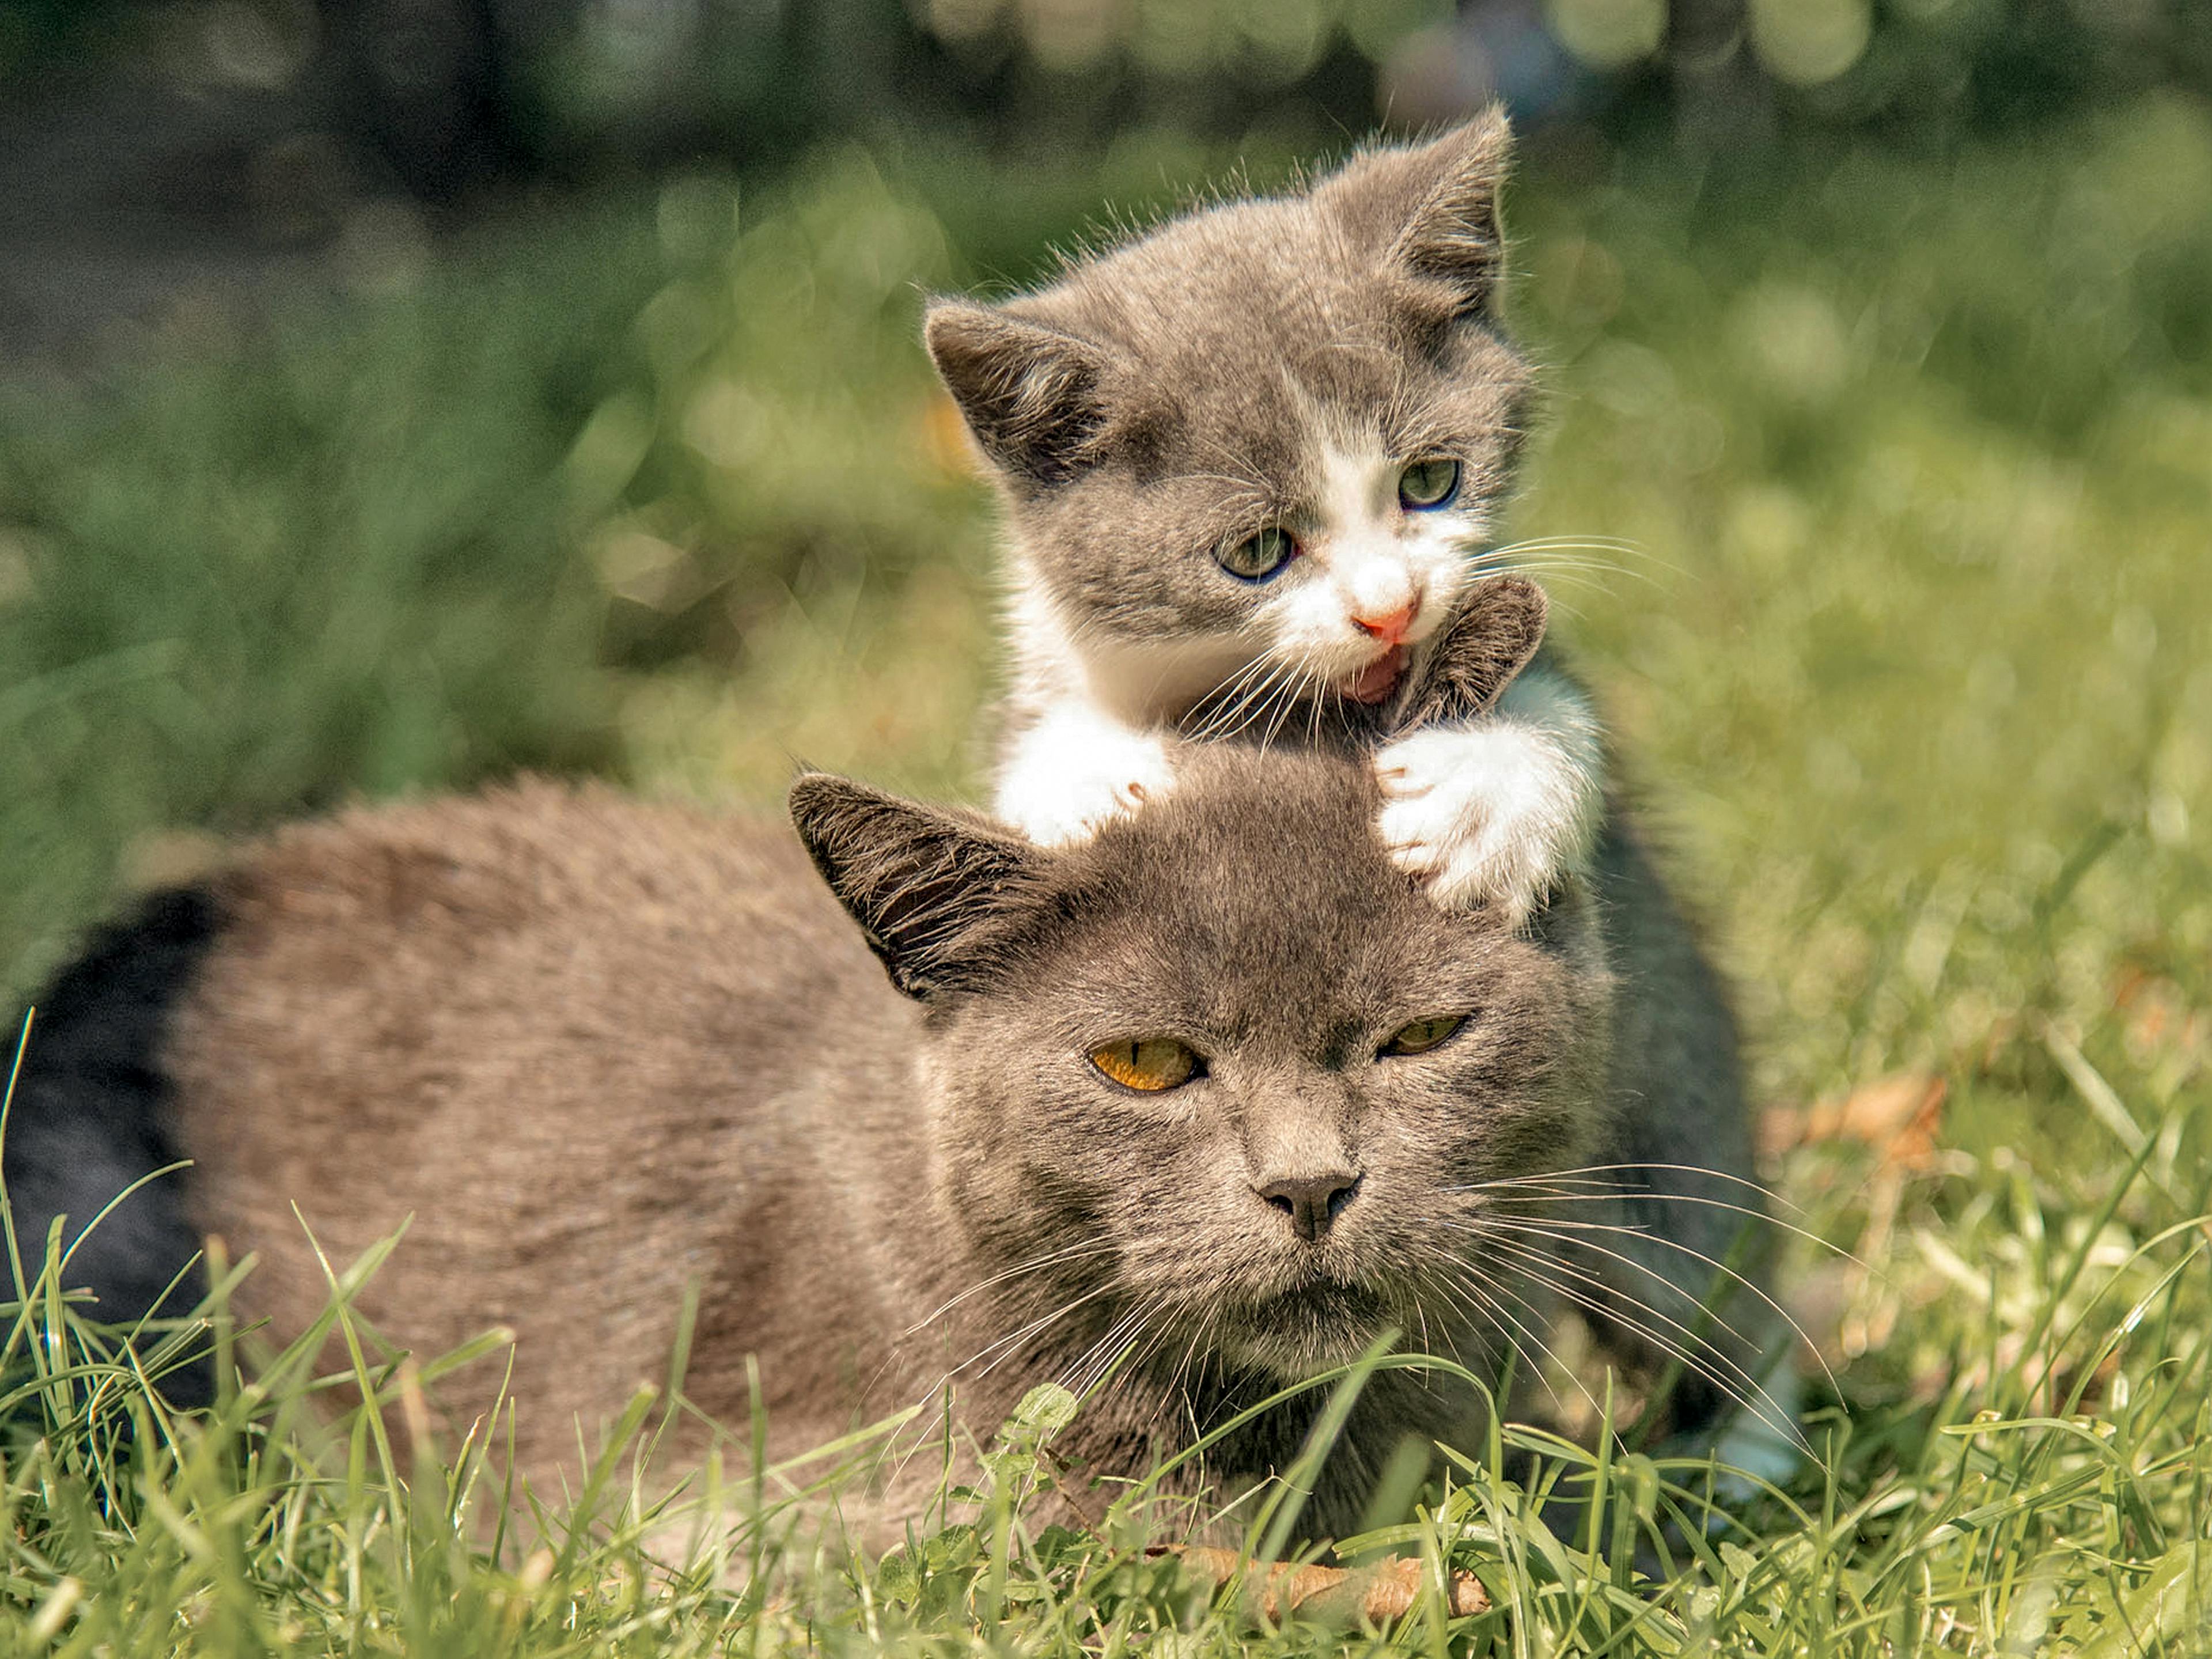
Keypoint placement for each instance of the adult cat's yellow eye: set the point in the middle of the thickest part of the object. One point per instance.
(1151, 1064)
(1257, 557)
(1423, 1035)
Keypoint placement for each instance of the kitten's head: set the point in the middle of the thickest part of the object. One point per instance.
(1272, 432)
(1224, 1060)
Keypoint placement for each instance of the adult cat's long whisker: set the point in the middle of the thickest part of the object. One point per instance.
(1747, 1211)
(1564, 1232)
(1456, 1274)
(1541, 1268)
(1657, 1340)
(1035, 1264)
(1595, 1169)
(1022, 1336)
(1549, 1353)
(1735, 1381)
(1747, 1396)
(1202, 1330)
(1488, 1229)
(1464, 1299)
(1081, 1375)
(1644, 1194)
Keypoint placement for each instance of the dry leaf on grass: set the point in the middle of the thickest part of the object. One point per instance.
(1387, 1590)
(1898, 1116)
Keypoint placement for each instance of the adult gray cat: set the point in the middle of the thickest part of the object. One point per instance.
(1219, 1086)
(1250, 464)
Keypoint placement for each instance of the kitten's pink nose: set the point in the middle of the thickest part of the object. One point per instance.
(1391, 628)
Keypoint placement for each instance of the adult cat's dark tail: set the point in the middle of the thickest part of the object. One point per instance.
(87, 1120)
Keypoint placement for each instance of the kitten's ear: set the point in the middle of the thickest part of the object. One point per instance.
(1479, 655)
(940, 895)
(1432, 208)
(1030, 394)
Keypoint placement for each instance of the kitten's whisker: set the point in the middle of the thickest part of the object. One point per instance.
(1580, 571)
(1301, 674)
(1226, 700)
(1289, 699)
(1626, 546)
(1595, 544)
(1257, 488)
(1248, 471)
(1223, 705)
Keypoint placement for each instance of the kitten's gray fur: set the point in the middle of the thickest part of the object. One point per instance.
(599, 1050)
(1270, 362)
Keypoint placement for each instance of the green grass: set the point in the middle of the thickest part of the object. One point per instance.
(1909, 657)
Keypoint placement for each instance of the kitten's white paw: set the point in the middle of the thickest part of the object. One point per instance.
(1483, 815)
(1067, 777)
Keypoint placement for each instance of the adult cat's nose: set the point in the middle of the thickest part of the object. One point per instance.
(1312, 1202)
(1391, 628)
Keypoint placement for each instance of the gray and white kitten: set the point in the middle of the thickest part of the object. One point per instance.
(1219, 1087)
(1250, 464)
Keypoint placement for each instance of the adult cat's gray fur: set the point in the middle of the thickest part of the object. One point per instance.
(1272, 366)
(599, 1050)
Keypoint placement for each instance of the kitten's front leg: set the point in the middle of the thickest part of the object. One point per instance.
(1497, 808)
(1073, 768)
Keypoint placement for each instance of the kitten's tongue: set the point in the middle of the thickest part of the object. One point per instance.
(1379, 678)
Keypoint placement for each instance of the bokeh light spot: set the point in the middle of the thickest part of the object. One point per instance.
(1806, 42)
(1608, 34)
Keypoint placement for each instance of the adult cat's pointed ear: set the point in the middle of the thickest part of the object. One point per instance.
(1479, 653)
(940, 895)
(1030, 393)
(1432, 209)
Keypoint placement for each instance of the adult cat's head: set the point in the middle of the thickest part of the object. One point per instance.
(1221, 1079)
(1272, 430)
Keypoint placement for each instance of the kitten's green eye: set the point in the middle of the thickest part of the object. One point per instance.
(1150, 1064)
(1427, 484)
(1422, 1034)
(1258, 558)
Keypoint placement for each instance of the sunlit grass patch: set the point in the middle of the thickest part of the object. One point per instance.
(2024, 1463)
(1896, 475)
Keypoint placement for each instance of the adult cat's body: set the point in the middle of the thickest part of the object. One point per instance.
(1219, 1085)
(1251, 463)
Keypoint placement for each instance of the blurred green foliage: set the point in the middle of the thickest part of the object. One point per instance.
(1922, 457)
(255, 576)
